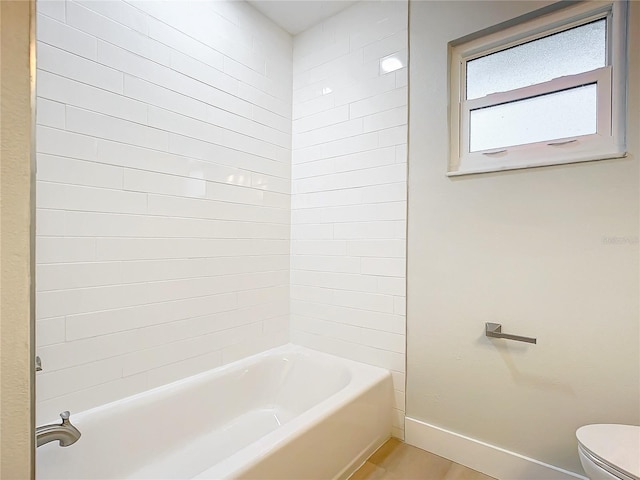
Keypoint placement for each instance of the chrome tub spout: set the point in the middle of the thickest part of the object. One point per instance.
(64, 432)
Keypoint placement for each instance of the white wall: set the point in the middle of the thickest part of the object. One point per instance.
(527, 249)
(349, 189)
(163, 193)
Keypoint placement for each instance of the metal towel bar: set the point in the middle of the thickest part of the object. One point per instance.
(494, 330)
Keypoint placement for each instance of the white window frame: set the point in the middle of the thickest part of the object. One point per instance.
(609, 140)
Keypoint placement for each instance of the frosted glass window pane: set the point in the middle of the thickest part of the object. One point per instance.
(568, 113)
(580, 49)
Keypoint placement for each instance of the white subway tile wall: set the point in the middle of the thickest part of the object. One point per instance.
(176, 229)
(348, 219)
(163, 193)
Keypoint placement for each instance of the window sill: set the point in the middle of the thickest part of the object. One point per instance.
(520, 166)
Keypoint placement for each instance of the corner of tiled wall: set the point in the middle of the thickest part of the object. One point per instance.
(348, 227)
(171, 237)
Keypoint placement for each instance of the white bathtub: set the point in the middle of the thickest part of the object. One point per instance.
(289, 413)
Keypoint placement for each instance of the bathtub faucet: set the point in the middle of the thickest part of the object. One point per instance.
(64, 432)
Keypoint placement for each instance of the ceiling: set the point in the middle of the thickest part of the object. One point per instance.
(296, 16)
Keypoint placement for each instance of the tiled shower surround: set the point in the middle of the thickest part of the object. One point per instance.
(163, 194)
(348, 204)
(174, 231)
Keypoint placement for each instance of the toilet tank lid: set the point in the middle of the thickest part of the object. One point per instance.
(617, 445)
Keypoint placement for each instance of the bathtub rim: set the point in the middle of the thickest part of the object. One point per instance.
(220, 370)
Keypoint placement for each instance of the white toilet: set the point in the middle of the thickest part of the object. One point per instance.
(609, 451)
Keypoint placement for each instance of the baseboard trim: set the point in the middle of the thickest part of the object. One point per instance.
(483, 457)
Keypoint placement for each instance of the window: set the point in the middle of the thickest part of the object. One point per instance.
(548, 91)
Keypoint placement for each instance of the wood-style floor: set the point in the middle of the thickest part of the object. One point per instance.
(396, 460)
